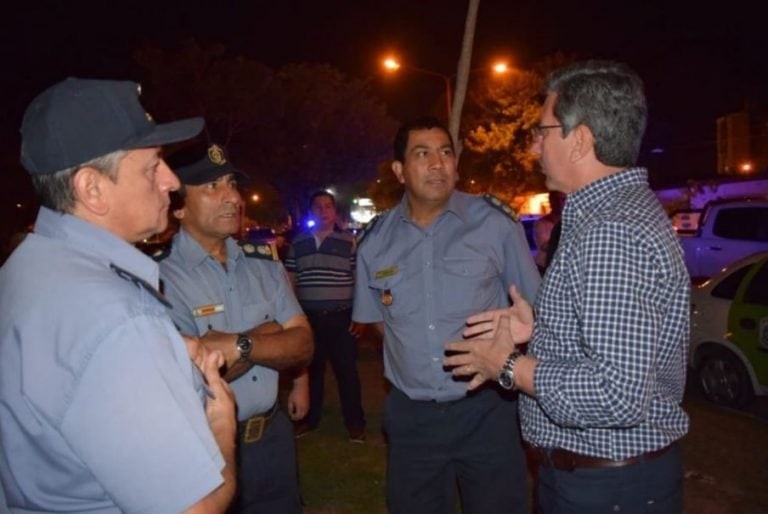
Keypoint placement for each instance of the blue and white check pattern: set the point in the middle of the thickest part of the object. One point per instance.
(611, 332)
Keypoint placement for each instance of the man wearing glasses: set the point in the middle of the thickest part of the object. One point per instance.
(605, 370)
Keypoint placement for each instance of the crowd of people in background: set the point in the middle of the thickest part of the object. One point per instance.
(131, 383)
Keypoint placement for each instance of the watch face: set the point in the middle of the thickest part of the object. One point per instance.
(244, 345)
(505, 380)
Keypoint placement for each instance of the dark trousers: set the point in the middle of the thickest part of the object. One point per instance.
(334, 343)
(654, 486)
(473, 443)
(267, 480)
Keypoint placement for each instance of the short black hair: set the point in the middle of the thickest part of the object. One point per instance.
(318, 194)
(420, 123)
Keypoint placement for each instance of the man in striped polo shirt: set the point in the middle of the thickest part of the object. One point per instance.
(321, 264)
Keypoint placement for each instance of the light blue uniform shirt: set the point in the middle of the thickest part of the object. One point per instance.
(437, 277)
(101, 409)
(249, 292)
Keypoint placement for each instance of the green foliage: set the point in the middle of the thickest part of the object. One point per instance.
(497, 140)
(497, 123)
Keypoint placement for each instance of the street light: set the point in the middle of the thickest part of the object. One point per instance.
(391, 64)
(500, 67)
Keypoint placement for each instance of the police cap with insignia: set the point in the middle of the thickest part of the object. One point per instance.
(78, 120)
(203, 163)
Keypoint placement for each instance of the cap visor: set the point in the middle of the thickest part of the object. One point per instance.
(172, 132)
(205, 175)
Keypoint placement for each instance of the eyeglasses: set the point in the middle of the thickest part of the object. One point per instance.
(539, 130)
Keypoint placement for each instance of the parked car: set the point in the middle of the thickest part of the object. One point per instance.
(686, 221)
(729, 332)
(728, 230)
(260, 235)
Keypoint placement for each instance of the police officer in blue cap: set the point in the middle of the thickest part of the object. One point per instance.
(102, 408)
(422, 269)
(238, 300)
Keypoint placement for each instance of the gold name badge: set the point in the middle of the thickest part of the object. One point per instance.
(207, 310)
(387, 272)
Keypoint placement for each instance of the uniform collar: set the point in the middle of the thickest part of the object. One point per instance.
(194, 255)
(97, 242)
(457, 205)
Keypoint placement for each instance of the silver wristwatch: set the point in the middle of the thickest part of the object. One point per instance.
(507, 373)
(244, 344)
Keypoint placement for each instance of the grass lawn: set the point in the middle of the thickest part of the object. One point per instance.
(725, 456)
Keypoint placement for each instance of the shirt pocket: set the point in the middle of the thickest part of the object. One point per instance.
(255, 314)
(215, 320)
(471, 285)
(400, 291)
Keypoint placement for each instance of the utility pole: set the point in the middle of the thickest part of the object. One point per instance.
(462, 73)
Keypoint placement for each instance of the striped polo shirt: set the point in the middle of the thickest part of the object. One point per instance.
(325, 274)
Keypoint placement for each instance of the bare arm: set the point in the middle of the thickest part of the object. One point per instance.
(356, 329)
(298, 398)
(379, 326)
(275, 346)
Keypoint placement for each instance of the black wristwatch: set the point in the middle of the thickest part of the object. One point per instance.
(507, 373)
(244, 344)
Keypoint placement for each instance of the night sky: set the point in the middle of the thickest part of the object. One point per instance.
(698, 62)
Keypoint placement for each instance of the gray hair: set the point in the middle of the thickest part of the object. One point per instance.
(55, 190)
(608, 98)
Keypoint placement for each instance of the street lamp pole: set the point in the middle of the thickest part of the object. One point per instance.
(393, 65)
(446, 80)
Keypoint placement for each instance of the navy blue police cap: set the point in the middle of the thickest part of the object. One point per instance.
(195, 166)
(78, 120)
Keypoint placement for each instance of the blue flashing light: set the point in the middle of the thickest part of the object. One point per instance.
(311, 223)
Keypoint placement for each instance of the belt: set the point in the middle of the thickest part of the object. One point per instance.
(325, 312)
(252, 429)
(565, 460)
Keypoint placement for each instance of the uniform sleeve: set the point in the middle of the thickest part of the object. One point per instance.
(519, 268)
(138, 424)
(365, 308)
(287, 305)
(181, 312)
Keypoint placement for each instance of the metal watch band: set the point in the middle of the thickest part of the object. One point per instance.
(507, 373)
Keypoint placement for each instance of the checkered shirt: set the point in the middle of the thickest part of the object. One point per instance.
(611, 332)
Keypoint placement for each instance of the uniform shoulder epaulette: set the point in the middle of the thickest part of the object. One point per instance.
(265, 251)
(160, 254)
(367, 228)
(500, 205)
(140, 283)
